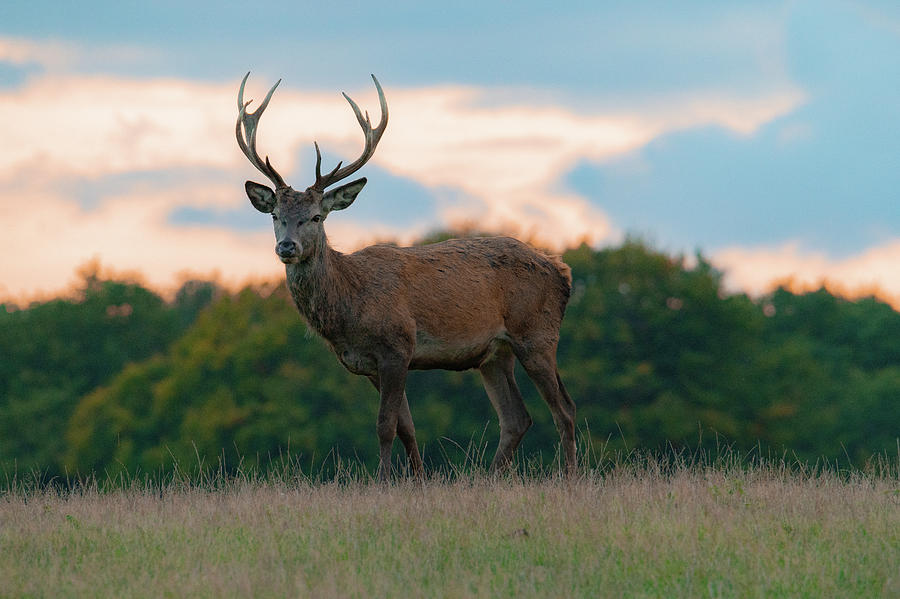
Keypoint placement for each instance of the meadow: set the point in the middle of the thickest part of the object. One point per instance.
(628, 526)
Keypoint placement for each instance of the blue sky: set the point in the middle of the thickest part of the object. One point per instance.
(765, 134)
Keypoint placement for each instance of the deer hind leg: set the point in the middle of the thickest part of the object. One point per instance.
(540, 364)
(500, 384)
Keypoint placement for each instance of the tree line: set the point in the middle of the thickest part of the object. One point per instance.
(654, 351)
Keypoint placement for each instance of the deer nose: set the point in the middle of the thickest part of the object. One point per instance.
(286, 249)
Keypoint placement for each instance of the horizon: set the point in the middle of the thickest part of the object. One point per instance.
(94, 269)
(764, 135)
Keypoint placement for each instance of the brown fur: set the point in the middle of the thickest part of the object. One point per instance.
(460, 304)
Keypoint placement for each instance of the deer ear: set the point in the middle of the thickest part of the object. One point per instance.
(341, 197)
(262, 197)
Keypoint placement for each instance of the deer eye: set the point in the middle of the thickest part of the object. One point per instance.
(317, 218)
(275, 218)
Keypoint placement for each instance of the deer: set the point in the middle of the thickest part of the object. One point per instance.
(470, 303)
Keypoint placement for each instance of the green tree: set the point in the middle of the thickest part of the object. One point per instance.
(57, 351)
(246, 381)
(654, 351)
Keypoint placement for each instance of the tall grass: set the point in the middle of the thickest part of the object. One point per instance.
(674, 524)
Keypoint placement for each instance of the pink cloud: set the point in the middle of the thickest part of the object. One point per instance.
(506, 159)
(875, 271)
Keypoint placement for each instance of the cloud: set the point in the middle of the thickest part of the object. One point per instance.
(504, 158)
(49, 241)
(21, 52)
(56, 56)
(130, 232)
(505, 155)
(875, 271)
(93, 125)
(511, 157)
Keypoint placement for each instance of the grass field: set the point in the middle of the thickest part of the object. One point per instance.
(635, 527)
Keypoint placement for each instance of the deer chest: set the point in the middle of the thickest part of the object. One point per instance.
(356, 362)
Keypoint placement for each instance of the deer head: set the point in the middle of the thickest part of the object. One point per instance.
(298, 216)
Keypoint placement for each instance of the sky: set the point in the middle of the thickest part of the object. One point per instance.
(764, 135)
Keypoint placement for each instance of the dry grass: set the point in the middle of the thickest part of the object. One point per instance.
(634, 528)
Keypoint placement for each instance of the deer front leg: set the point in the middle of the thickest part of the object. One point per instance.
(391, 385)
(406, 430)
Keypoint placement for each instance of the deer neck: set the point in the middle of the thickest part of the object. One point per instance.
(320, 287)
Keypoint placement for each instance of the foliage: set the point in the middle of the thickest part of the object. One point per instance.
(56, 352)
(246, 380)
(654, 351)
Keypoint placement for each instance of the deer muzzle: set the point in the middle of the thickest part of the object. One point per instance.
(288, 251)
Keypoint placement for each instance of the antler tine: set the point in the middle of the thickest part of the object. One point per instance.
(319, 165)
(373, 136)
(247, 138)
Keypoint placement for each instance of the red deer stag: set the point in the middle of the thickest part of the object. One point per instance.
(460, 304)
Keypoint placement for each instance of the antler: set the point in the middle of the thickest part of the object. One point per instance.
(250, 121)
(373, 136)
